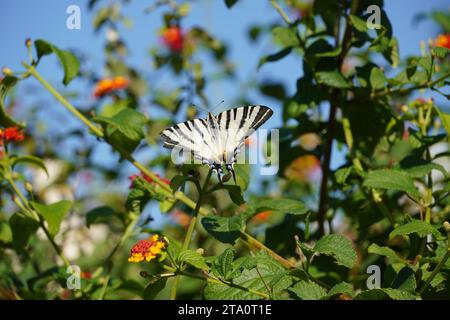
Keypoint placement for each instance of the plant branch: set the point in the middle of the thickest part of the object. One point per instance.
(280, 10)
(192, 224)
(435, 271)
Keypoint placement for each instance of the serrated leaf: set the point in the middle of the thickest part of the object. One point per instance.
(129, 122)
(308, 290)
(53, 213)
(223, 263)
(422, 229)
(339, 247)
(193, 258)
(224, 229)
(256, 278)
(385, 251)
(342, 287)
(384, 294)
(332, 79)
(68, 60)
(391, 179)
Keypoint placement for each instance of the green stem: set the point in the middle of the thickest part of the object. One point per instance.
(224, 282)
(403, 91)
(127, 233)
(280, 10)
(192, 224)
(435, 271)
(36, 217)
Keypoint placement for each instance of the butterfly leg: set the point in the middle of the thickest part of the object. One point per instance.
(230, 169)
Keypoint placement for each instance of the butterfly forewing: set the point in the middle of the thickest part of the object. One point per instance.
(216, 140)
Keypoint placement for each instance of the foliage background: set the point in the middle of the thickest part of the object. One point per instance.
(89, 173)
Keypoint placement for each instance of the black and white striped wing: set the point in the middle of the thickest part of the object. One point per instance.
(196, 136)
(238, 124)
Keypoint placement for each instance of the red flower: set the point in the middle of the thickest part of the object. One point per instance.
(146, 178)
(11, 134)
(443, 40)
(173, 39)
(147, 249)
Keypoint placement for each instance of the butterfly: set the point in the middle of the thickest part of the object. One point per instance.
(217, 140)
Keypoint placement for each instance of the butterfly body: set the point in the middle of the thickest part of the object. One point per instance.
(217, 140)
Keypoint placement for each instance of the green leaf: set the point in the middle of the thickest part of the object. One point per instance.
(193, 258)
(339, 247)
(224, 229)
(128, 121)
(15, 160)
(101, 214)
(53, 214)
(342, 174)
(68, 60)
(153, 288)
(391, 179)
(385, 294)
(417, 167)
(235, 193)
(277, 205)
(6, 84)
(256, 278)
(5, 233)
(274, 56)
(440, 52)
(22, 228)
(422, 229)
(332, 79)
(242, 175)
(285, 36)
(385, 251)
(223, 264)
(358, 23)
(230, 3)
(342, 287)
(445, 119)
(308, 290)
(405, 280)
(377, 78)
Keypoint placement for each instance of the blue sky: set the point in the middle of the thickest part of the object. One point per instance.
(46, 19)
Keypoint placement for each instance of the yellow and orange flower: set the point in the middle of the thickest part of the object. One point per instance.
(146, 249)
(106, 86)
(443, 40)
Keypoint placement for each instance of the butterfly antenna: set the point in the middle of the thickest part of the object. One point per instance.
(217, 105)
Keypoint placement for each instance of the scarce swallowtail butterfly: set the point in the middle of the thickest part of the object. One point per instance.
(217, 140)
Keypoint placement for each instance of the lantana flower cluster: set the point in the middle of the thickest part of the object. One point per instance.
(147, 249)
(108, 85)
